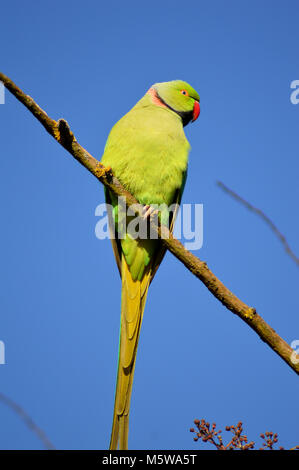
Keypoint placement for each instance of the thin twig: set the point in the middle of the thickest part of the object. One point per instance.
(27, 420)
(62, 133)
(264, 217)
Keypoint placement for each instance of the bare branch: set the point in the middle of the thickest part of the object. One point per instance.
(263, 216)
(62, 133)
(27, 420)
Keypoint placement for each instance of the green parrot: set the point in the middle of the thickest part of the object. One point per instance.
(147, 151)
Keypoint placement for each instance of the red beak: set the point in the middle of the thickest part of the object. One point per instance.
(196, 111)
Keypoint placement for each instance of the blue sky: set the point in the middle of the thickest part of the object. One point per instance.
(90, 62)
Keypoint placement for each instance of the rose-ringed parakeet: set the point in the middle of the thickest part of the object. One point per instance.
(148, 152)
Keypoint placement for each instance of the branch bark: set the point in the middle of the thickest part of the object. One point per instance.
(61, 132)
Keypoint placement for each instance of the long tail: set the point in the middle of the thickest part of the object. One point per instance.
(133, 297)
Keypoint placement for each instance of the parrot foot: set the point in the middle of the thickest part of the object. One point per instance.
(149, 212)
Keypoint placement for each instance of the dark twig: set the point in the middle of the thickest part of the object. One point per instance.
(264, 217)
(27, 420)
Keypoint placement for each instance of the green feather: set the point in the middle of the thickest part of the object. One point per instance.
(148, 152)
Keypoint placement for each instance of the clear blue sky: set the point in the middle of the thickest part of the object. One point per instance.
(60, 290)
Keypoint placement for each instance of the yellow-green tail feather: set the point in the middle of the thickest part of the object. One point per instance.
(133, 298)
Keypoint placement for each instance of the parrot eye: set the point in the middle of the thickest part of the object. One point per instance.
(185, 92)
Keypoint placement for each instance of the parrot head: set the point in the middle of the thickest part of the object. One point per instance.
(178, 96)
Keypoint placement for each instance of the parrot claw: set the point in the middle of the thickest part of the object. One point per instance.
(148, 211)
